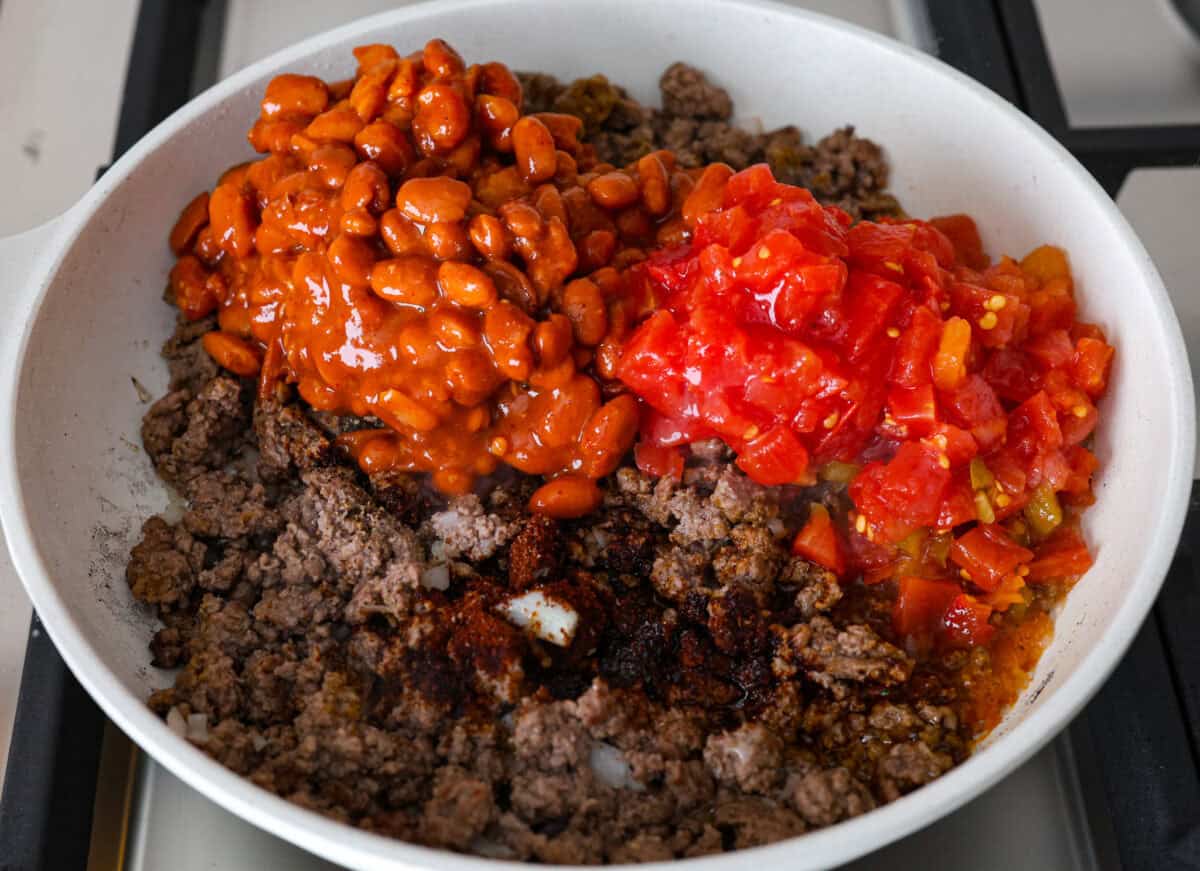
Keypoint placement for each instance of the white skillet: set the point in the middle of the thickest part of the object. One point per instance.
(83, 317)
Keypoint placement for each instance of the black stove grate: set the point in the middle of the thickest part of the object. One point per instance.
(1137, 745)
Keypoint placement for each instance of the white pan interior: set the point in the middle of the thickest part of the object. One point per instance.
(85, 485)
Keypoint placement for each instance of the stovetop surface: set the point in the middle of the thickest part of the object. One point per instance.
(1134, 63)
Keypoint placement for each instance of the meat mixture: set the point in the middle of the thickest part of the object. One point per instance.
(353, 643)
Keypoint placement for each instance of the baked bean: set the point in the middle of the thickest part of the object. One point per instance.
(655, 184)
(499, 187)
(188, 282)
(441, 60)
(399, 234)
(583, 212)
(235, 175)
(522, 220)
(477, 418)
(708, 194)
(356, 222)
(302, 146)
(269, 239)
(463, 158)
(466, 285)
(496, 116)
(608, 358)
(370, 56)
(273, 136)
(596, 249)
(548, 201)
(369, 94)
(472, 377)
(206, 246)
(564, 421)
(564, 128)
(352, 260)
(193, 217)
(555, 259)
(453, 482)
(232, 352)
(635, 226)
(384, 143)
(449, 240)
(566, 497)
(552, 340)
(442, 120)
(265, 174)
(400, 411)
(506, 329)
(291, 95)
(608, 436)
(496, 79)
(613, 190)
(455, 330)
(433, 200)
(673, 232)
(566, 169)
(332, 164)
(366, 188)
(231, 216)
(490, 237)
(533, 146)
(584, 306)
(608, 280)
(339, 124)
(554, 377)
(512, 284)
(405, 81)
(409, 280)
(626, 257)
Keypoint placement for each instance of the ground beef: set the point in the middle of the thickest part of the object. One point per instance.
(841, 169)
(342, 641)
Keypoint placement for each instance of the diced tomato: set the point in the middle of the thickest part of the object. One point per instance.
(1089, 367)
(1012, 374)
(869, 305)
(965, 622)
(1052, 307)
(1033, 427)
(958, 504)
(659, 460)
(915, 410)
(958, 390)
(915, 348)
(1061, 557)
(964, 235)
(1077, 488)
(987, 553)
(920, 604)
(1052, 349)
(818, 541)
(775, 457)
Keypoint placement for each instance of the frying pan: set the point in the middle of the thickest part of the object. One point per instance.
(84, 321)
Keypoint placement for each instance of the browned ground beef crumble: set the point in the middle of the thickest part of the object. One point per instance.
(338, 642)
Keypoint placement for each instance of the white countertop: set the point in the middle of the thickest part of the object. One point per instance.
(60, 118)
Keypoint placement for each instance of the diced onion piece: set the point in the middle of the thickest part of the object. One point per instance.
(436, 577)
(548, 619)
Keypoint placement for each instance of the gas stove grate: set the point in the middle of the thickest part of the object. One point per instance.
(1137, 744)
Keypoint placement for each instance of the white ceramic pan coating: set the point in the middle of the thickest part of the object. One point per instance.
(83, 317)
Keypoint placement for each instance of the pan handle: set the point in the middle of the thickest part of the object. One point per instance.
(22, 268)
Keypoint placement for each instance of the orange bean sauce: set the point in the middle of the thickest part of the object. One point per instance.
(405, 251)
